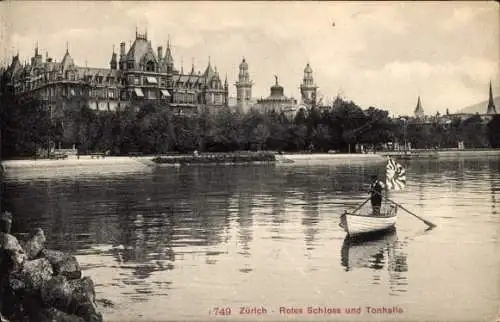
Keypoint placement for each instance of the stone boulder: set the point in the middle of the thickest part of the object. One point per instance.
(35, 274)
(43, 285)
(83, 300)
(57, 293)
(12, 255)
(55, 315)
(63, 264)
(5, 222)
(35, 244)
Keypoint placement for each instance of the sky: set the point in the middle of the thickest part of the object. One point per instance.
(382, 54)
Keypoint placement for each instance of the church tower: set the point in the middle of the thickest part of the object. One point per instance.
(113, 62)
(308, 88)
(243, 87)
(491, 104)
(419, 110)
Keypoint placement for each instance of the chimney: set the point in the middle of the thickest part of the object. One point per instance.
(122, 49)
(160, 52)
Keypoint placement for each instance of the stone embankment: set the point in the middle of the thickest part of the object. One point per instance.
(38, 284)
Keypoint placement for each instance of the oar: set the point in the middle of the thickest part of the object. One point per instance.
(430, 224)
(361, 205)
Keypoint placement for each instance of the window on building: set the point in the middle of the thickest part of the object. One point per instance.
(130, 66)
(150, 66)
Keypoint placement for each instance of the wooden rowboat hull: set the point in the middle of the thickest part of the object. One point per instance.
(358, 224)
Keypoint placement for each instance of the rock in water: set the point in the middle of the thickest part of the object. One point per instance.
(12, 255)
(63, 264)
(55, 315)
(83, 300)
(57, 293)
(6, 222)
(35, 273)
(35, 245)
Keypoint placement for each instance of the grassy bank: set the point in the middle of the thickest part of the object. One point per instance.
(207, 158)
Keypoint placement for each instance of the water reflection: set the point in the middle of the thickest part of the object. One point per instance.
(174, 233)
(378, 252)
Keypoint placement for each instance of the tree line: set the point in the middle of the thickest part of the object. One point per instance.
(152, 128)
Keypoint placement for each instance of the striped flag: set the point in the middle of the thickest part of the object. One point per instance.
(395, 178)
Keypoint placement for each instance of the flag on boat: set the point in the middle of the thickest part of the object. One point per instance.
(395, 177)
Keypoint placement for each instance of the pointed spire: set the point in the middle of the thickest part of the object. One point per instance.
(113, 48)
(226, 84)
(192, 65)
(491, 95)
(182, 65)
(67, 47)
(419, 111)
(491, 103)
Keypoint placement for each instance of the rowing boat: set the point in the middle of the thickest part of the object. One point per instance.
(356, 223)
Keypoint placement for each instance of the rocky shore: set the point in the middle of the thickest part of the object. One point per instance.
(42, 285)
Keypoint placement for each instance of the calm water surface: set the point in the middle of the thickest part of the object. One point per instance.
(172, 243)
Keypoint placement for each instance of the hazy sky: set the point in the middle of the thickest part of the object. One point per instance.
(376, 54)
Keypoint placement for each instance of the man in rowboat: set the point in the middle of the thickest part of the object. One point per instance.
(376, 190)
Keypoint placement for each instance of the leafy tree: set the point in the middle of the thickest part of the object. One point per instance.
(493, 131)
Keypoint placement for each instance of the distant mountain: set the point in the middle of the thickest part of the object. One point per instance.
(481, 108)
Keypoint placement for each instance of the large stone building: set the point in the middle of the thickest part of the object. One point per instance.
(277, 101)
(135, 75)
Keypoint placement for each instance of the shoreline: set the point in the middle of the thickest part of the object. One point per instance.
(141, 162)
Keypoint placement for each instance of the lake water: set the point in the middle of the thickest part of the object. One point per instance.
(175, 243)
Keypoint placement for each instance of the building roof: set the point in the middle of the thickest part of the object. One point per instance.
(93, 72)
(139, 49)
(419, 110)
(67, 62)
(15, 67)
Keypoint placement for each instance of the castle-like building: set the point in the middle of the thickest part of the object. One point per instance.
(136, 74)
(141, 74)
(276, 101)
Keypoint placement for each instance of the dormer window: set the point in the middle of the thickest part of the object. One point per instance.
(150, 66)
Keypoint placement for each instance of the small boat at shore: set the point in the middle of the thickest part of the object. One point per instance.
(356, 224)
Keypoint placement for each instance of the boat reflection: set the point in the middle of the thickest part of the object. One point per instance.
(378, 252)
(367, 251)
